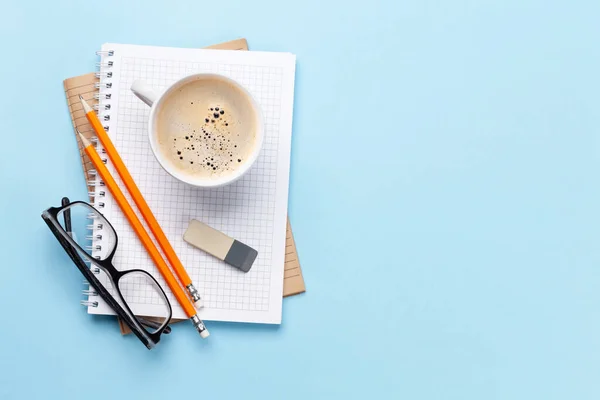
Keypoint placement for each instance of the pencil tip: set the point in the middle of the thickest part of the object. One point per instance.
(84, 140)
(85, 105)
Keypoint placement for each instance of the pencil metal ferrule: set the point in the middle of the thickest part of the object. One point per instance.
(194, 294)
(200, 327)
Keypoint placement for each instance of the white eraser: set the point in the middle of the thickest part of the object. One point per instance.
(199, 303)
(204, 334)
(212, 241)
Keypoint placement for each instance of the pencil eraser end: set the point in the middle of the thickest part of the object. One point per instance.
(204, 334)
(199, 303)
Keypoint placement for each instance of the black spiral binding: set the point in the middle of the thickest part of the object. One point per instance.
(103, 108)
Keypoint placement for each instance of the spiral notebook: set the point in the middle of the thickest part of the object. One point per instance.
(262, 196)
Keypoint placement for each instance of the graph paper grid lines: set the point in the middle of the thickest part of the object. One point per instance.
(253, 210)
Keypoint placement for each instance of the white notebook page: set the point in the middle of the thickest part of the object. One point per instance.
(252, 210)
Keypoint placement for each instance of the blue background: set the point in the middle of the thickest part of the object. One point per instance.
(444, 196)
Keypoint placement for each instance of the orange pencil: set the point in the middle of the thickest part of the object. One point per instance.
(137, 226)
(139, 200)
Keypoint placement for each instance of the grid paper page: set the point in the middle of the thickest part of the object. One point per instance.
(252, 210)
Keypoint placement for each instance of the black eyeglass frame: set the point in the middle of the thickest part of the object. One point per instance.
(150, 339)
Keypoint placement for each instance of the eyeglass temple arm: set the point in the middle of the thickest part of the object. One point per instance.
(67, 214)
(153, 325)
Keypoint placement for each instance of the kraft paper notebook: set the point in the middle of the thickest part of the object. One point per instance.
(247, 304)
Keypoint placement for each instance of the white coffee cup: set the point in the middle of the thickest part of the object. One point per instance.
(149, 96)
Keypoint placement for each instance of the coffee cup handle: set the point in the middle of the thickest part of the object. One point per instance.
(144, 92)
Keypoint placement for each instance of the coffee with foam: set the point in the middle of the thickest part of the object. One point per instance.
(207, 128)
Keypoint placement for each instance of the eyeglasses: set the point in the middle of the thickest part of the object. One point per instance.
(123, 291)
